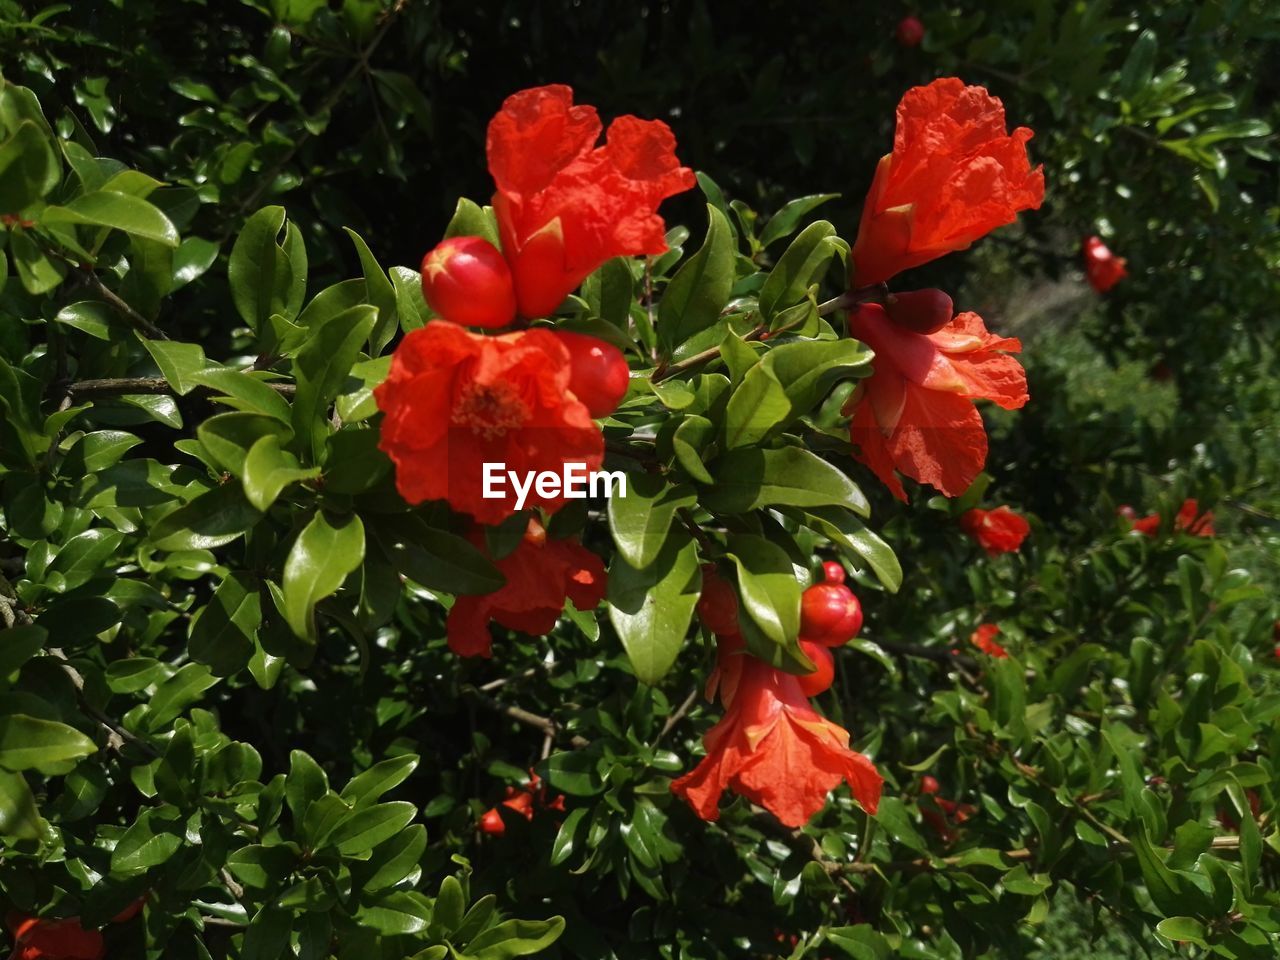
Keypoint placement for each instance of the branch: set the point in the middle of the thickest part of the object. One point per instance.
(677, 715)
(121, 386)
(940, 654)
(134, 318)
(117, 735)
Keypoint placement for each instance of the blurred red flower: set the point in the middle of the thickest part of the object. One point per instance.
(984, 638)
(955, 174)
(564, 205)
(914, 414)
(1102, 268)
(35, 938)
(996, 531)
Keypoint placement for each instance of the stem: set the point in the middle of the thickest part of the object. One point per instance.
(521, 715)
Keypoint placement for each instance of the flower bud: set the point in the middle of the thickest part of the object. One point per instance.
(929, 784)
(598, 372)
(832, 572)
(921, 311)
(910, 32)
(829, 614)
(466, 281)
(820, 680)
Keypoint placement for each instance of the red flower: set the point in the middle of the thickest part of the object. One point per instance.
(914, 413)
(772, 747)
(455, 400)
(996, 531)
(955, 174)
(1189, 520)
(541, 573)
(1103, 268)
(38, 939)
(564, 205)
(984, 638)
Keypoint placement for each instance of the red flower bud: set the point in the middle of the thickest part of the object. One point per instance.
(921, 311)
(718, 605)
(832, 572)
(830, 614)
(820, 680)
(1102, 268)
(598, 372)
(910, 31)
(466, 281)
(929, 784)
(491, 823)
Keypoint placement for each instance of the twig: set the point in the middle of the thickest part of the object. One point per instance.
(117, 735)
(503, 681)
(134, 318)
(940, 654)
(678, 715)
(521, 715)
(121, 386)
(922, 863)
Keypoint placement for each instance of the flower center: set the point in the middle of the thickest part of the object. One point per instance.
(490, 410)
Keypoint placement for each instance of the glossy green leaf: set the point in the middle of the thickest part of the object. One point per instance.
(641, 520)
(119, 211)
(651, 608)
(700, 289)
(30, 743)
(320, 559)
(269, 469)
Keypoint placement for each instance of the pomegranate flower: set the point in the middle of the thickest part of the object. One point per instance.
(914, 414)
(996, 531)
(1189, 520)
(1102, 268)
(541, 573)
(772, 747)
(455, 400)
(564, 205)
(955, 174)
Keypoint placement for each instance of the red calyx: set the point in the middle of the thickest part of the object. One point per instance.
(929, 784)
(718, 605)
(920, 311)
(820, 680)
(466, 281)
(491, 823)
(829, 614)
(910, 31)
(832, 572)
(598, 372)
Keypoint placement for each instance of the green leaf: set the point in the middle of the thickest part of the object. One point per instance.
(226, 438)
(305, 784)
(178, 362)
(861, 942)
(747, 479)
(262, 867)
(38, 272)
(437, 559)
(119, 211)
(471, 220)
(691, 438)
(515, 938)
(194, 256)
(397, 913)
(367, 828)
(244, 392)
(267, 937)
(321, 368)
(83, 557)
(1139, 65)
(151, 841)
(381, 294)
(268, 469)
(768, 586)
(859, 544)
(177, 693)
(405, 856)
(785, 221)
(700, 289)
(801, 264)
(210, 520)
(320, 559)
(260, 273)
(651, 608)
(571, 836)
(365, 788)
(89, 316)
(1183, 930)
(18, 645)
(96, 451)
(755, 408)
(223, 631)
(641, 520)
(29, 167)
(30, 743)
(19, 817)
